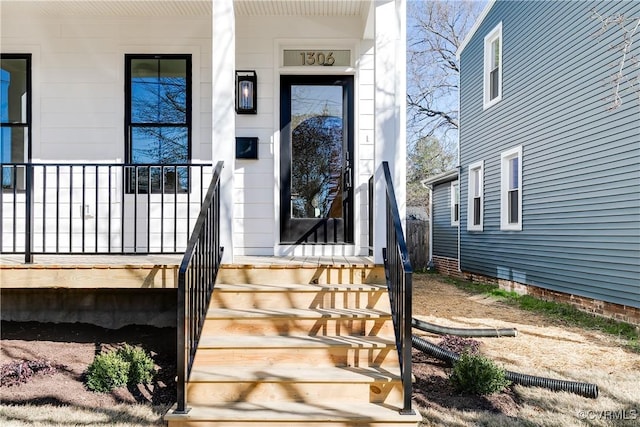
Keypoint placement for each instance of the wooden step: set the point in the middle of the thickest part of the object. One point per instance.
(353, 351)
(305, 273)
(270, 295)
(298, 321)
(289, 414)
(293, 383)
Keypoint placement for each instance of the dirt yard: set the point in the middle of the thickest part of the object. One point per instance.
(542, 347)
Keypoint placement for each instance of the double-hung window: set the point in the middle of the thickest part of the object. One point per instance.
(492, 88)
(455, 203)
(475, 202)
(158, 121)
(511, 190)
(15, 117)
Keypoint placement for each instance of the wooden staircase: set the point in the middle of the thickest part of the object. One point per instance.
(280, 351)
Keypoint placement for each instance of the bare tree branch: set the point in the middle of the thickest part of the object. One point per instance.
(437, 30)
(629, 28)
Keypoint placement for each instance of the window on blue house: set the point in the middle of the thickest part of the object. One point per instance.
(158, 120)
(15, 116)
(455, 203)
(492, 87)
(511, 190)
(475, 202)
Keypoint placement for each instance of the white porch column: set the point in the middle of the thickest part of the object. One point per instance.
(390, 111)
(223, 113)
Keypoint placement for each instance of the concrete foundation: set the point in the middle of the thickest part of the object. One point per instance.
(108, 308)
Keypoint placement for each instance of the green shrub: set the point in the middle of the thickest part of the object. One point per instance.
(106, 372)
(476, 374)
(140, 364)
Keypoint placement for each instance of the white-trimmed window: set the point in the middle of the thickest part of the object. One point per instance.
(492, 67)
(455, 203)
(475, 204)
(511, 189)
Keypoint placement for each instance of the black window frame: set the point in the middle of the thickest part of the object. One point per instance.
(128, 125)
(25, 125)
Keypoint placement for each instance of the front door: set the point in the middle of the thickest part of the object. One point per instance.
(316, 155)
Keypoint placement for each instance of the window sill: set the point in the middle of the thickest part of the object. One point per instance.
(511, 227)
(491, 103)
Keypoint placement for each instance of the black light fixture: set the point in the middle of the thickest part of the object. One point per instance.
(246, 92)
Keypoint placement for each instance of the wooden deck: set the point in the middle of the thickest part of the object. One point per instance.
(161, 271)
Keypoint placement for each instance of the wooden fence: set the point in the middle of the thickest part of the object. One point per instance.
(418, 243)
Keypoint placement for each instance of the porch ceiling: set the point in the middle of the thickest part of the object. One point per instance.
(113, 7)
(191, 7)
(302, 7)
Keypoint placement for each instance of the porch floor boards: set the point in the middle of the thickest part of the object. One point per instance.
(17, 261)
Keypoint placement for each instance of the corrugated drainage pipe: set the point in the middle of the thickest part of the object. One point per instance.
(463, 332)
(582, 389)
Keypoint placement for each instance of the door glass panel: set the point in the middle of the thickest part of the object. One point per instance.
(317, 138)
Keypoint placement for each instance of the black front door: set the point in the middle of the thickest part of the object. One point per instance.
(316, 155)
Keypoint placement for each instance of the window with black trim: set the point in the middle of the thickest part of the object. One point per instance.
(158, 122)
(15, 117)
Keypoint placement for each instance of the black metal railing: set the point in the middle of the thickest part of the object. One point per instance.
(196, 279)
(68, 208)
(398, 273)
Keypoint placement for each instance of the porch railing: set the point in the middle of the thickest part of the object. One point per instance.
(196, 279)
(68, 208)
(398, 274)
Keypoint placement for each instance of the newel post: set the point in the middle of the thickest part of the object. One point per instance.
(28, 226)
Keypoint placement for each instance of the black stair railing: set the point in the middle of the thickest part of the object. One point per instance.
(196, 280)
(398, 274)
(100, 208)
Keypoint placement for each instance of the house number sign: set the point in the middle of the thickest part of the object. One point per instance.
(317, 58)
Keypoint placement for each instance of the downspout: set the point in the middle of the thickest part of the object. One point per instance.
(459, 169)
(430, 265)
(460, 206)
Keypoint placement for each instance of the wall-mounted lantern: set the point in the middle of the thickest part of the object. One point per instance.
(246, 92)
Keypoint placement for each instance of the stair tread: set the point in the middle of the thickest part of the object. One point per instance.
(294, 412)
(291, 373)
(298, 287)
(289, 341)
(302, 313)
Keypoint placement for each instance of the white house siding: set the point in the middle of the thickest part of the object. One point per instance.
(78, 77)
(78, 98)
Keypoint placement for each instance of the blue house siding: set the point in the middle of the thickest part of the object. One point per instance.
(580, 159)
(445, 236)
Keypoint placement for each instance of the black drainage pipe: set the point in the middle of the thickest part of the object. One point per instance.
(463, 332)
(582, 389)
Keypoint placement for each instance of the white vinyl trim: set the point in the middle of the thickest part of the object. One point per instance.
(475, 181)
(505, 187)
(489, 39)
(455, 194)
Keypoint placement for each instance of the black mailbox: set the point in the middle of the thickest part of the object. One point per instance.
(246, 147)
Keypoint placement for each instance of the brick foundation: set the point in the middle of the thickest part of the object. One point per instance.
(450, 267)
(447, 266)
